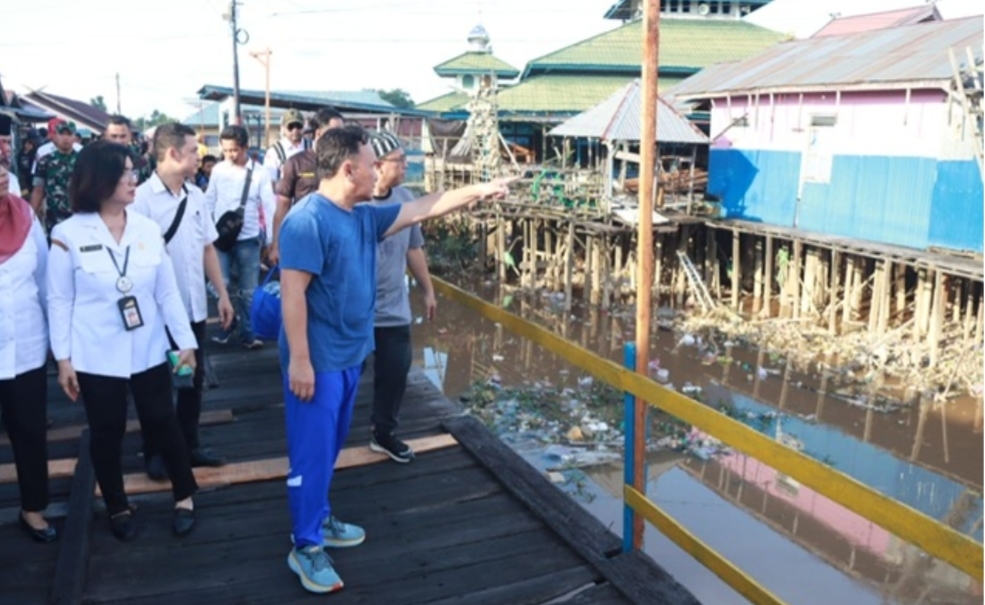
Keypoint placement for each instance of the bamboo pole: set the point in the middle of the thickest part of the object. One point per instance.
(648, 153)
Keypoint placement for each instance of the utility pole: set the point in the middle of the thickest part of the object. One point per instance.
(235, 32)
(118, 111)
(263, 56)
(644, 281)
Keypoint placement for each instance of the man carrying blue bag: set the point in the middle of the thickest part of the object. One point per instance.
(328, 289)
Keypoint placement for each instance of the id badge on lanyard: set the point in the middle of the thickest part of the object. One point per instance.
(129, 309)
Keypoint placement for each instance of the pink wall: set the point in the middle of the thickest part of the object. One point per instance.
(856, 529)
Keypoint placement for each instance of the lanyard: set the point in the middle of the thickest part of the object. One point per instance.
(123, 284)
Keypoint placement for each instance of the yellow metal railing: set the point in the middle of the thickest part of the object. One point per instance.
(936, 539)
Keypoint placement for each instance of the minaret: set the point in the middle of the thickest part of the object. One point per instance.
(483, 124)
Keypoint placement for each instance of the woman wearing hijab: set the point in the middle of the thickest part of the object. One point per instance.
(111, 292)
(23, 353)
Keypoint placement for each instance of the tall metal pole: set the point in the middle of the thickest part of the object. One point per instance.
(648, 151)
(235, 31)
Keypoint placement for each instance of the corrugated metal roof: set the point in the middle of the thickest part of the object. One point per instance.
(446, 102)
(619, 118)
(900, 57)
(873, 21)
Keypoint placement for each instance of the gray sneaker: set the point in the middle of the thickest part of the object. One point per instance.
(314, 568)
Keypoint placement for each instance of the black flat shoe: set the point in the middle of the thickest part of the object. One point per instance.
(45, 536)
(200, 457)
(155, 468)
(124, 526)
(182, 522)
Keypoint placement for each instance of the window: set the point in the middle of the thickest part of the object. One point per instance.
(820, 149)
(468, 82)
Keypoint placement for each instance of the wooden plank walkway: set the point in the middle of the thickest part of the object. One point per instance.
(469, 523)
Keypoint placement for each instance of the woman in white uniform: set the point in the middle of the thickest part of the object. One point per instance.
(23, 353)
(111, 292)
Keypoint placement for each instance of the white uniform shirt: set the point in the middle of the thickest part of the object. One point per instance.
(46, 149)
(271, 159)
(226, 189)
(187, 247)
(23, 329)
(13, 186)
(86, 324)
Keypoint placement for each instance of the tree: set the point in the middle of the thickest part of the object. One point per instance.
(98, 102)
(156, 119)
(398, 97)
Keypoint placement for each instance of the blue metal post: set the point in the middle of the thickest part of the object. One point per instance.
(629, 427)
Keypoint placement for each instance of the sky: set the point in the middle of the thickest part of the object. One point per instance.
(166, 52)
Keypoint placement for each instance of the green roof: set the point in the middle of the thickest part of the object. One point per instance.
(476, 62)
(446, 102)
(550, 93)
(562, 93)
(685, 44)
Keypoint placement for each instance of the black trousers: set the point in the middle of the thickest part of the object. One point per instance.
(189, 407)
(24, 407)
(105, 399)
(391, 362)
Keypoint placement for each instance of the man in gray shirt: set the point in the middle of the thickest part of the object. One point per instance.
(394, 255)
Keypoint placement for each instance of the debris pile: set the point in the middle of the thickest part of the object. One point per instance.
(868, 360)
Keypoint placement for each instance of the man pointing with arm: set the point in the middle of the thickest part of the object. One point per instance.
(328, 290)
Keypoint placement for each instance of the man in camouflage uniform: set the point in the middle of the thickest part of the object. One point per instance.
(51, 176)
(120, 130)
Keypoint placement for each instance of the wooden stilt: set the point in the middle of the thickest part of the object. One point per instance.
(550, 256)
(980, 324)
(757, 288)
(716, 267)
(501, 245)
(955, 302)
(900, 290)
(736, 270)
(617, 250)
(768, 278)
(969, 317)
(920, 310)
(606, 272)
(569, 263)
(885, 297)
(597, 247)
(859, 289)
(793, 278)
(876, 296)
(936, 317)
(846, 309)
(658, 265)
(833, 290)
(588, 286)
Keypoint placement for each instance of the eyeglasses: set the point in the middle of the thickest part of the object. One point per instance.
(130, 175)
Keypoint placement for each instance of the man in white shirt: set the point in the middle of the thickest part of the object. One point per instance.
(291, 143)
(228, 190)
(179, 208)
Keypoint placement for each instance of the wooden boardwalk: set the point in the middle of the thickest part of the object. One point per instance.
(468, 522)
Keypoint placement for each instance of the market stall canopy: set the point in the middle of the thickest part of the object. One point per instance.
(618, 118)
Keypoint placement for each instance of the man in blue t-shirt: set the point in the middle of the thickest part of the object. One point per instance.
(328, 294)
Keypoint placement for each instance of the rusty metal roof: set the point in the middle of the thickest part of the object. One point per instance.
(910, 56)
(619, 117)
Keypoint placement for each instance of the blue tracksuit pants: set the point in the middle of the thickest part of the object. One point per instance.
(316, 431)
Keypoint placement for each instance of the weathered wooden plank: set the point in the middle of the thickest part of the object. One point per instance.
(274, 468)
(68, 584)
